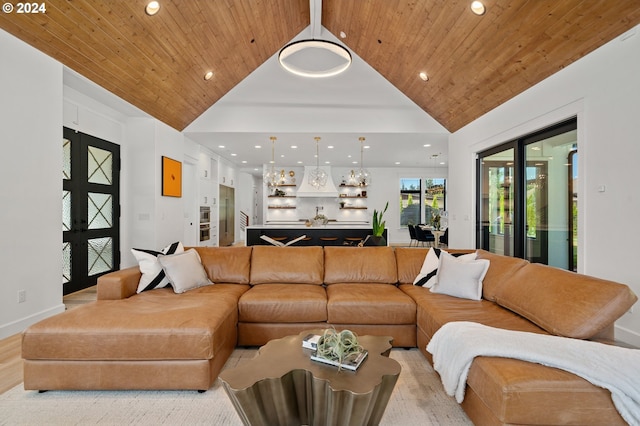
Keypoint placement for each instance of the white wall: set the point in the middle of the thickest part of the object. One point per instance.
(169, 210)
(30, 185)
(603, 90)
(156, 220)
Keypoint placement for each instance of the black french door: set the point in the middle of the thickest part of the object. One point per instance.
(90, 209)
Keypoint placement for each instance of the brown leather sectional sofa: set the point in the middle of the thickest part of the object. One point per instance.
(162, 340)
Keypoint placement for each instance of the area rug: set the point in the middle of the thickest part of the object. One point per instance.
(418, 399)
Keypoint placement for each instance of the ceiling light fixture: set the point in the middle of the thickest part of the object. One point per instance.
(152, 8)
(478, 8)
(423, 76)
(335, 58)
(317, 177)
(271, 176)
(363, 177)
(314, 57)
(208, 75)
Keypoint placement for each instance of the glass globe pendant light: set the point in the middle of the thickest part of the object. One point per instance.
(271, 177)
(362, 177)
(317, 177)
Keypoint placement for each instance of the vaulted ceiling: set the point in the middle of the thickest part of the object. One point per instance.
(474, 63)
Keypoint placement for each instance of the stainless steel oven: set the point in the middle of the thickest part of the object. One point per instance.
(205, 214)
(205, 232)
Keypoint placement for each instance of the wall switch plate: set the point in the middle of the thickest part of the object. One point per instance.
(22, 296)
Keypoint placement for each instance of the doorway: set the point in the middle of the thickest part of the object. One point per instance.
(226, 216)
(90, 209)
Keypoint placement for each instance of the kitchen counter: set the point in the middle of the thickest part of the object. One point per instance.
(332, 234)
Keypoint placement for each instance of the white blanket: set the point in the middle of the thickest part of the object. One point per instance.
(617, 369)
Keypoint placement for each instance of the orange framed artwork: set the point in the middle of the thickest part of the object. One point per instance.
(171, 177)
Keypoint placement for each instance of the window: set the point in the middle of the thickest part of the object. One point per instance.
(421, 200)
(410, 190)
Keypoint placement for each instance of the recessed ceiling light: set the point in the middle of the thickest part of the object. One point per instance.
(367, 147)
(343, 34)
(427, 145)
(152, 8)
(294, 146)
(397, 162)
(330, 146)
(244, 161)
(478, 8)
(221, 146)
(442, 163)
(423, 76)
(299, 162)
(208, 75)
(233, 154)
(258, 146)
(327, 162)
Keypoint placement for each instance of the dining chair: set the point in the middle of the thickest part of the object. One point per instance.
(412, 235)
(444, 238)
(424, 236)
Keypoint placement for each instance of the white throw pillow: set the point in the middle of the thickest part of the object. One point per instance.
(184, 271)
(460, 278)
(428, 273)
(152, 274)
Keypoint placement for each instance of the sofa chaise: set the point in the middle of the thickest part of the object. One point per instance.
(162, 340)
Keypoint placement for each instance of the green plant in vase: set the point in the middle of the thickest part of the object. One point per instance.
(378, 226)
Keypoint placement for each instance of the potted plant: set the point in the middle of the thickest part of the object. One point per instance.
(340, 347)
(378, 226)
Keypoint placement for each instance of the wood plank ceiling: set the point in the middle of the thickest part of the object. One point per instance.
(474, 63)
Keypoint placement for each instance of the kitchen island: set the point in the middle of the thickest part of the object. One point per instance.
(332, 234)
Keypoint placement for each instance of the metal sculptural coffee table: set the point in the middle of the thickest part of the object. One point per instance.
(282, 386)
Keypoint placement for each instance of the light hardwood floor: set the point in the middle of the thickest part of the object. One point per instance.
(10, 348)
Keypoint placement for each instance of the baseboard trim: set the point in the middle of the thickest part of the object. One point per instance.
(20, 325)
(627, 336)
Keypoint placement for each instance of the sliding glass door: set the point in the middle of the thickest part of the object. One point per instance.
(527, 205)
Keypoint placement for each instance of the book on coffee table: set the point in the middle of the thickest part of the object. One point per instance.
(310, 341)
(351, 364)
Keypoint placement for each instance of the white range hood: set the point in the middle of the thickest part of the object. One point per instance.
(327, 191)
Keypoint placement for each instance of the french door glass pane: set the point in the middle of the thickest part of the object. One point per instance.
(66, 159)
(497, 194)
(99, 166)
(548, 223)
(66, 262)
(100, 254)
(66, 210)
(100, 210)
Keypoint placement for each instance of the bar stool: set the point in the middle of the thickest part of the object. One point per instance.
(328, 240)
(352, 241)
